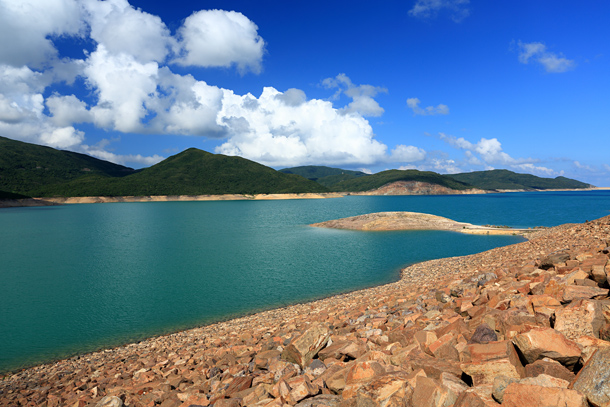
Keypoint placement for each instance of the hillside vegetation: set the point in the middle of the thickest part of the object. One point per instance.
(33, 170)
(504, 179)
(374, 181)
(326, 176)
(26, 167)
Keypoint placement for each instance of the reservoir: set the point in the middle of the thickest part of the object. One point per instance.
(77, 278)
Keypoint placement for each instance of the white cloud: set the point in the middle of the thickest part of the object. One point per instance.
(122, 159)
(270, 131)
(361, 95)
(122, 85)
(122, 29)
(27, 28)
(488, 153)
(537, 52)
(63, 137)
(407, 154)
(66, 110)
(218, 38)
(458, 9)
(537, 170)
(413, 103)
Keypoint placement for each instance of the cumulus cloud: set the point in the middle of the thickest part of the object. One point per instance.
(361, 95)
(269, 130)
(537, 52)
(413, 104)
(27, 28)
(218, 38)
(123, 29)
(458, 9)
(489, 153)
(407, 154)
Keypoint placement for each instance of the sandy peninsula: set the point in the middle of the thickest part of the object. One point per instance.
(384, 221)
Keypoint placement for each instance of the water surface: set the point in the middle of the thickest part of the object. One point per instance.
(78, 277)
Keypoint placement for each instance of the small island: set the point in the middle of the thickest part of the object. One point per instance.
(385, 221)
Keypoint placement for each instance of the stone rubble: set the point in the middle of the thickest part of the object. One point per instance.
(522, 325)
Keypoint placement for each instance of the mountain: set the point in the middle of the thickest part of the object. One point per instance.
(326, 176)
(33, 170)
(374, 181)
(192, 172)
(26, 167)
(504, 179)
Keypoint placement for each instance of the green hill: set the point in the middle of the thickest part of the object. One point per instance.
(326, 176)
(26, 167)
(504, 179)
(374, 181)
(33, 170)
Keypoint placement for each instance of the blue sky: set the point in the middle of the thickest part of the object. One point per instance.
(441, 85)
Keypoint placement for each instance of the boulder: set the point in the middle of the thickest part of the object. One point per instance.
(541, 343)
(521, 395)
(582, 317)
(430, 393)
(110, 401)
(305, 347)
(483, 334)
(573, 292)
(549, 367)
(490, 360)
(593, 380)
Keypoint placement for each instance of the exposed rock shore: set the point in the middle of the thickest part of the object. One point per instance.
(522, 325)
(161, 198)
(418, 188)
(381, 221)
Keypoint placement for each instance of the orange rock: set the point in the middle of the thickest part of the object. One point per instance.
(303, 349)
(520, 395)
(546, 342)
(363, 371)
(430, 393)
(582, 317)
(593, 379)
(490, 360)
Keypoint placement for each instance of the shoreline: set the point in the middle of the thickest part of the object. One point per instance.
(52, 201)
(126, 370)
(387, 221)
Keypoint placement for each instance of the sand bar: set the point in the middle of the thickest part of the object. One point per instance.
(385, 221)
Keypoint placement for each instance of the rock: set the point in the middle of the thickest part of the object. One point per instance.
(593, 380)
(500, 384)
(363, 371)
(589, 345)
(549, 367)
(196, 400)
(553, 259)
(471, 399)
(227, 403)
(304, 348)
(490, 360)
(444, 347)
(483, 334)
(385, 391)
(545, 381)
(520, 395)
(300, 388)
(430, 393)
(573, 292)
(547, 343)
(321, 400)
(110, 401)
(583, 317)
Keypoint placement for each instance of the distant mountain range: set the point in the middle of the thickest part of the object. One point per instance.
(33, 170)
(337, 179)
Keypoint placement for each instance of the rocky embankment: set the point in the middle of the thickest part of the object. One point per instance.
(417, 188)
(9, 203)
(384, 221)
(522, 325)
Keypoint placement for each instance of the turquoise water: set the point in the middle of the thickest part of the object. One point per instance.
(78, 277)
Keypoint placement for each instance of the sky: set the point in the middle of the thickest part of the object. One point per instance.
(438, 85)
